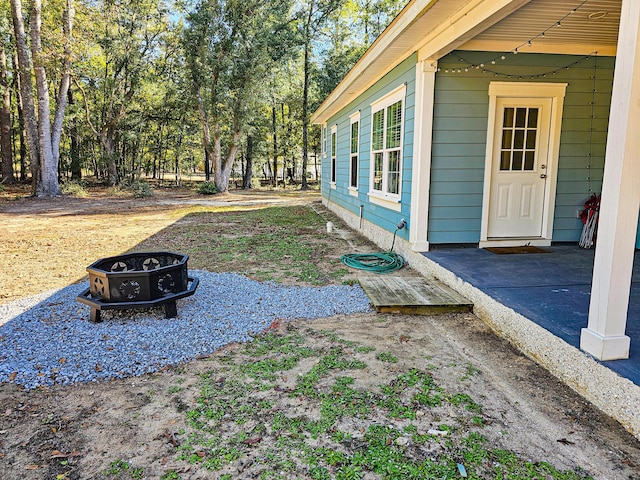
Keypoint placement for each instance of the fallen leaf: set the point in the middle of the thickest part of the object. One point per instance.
(252, 441)
(31, 467)
(12, 377)
(98, 368)
(62, 360)
(59, 454)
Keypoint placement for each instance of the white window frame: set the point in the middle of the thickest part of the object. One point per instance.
(333, 156)
(354, 155)
(383, 196)
(323, 140)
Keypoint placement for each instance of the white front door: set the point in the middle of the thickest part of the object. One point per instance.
(519, 166)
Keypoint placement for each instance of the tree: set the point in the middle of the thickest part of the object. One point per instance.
(5, 110)
(230, 45)
(128, 34)
(43, 136)
(313, 15)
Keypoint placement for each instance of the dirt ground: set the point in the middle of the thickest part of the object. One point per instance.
(79, 431)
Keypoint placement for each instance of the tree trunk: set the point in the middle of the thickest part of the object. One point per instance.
(206, 135)
(275, 146)
(247, 178)
(222, 168)
(28, 106)
(44, 141)
(74, 152)
(48, 163)
(108, 142)
(305, 115)
(5, 123)
(21, 124)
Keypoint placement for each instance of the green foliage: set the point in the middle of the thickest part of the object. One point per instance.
(386, 357)
(118, 467)
(139, 188)
(207, 188)
(75, 188)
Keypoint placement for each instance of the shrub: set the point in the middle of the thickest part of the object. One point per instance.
(75, 188)
(139, 188)
(207, 188)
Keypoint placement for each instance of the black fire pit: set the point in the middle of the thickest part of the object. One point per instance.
(138, 280)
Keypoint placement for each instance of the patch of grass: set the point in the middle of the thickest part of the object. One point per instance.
(281, 244)
(471, 371)
(121, 467)
(349, 431)
(386, 357)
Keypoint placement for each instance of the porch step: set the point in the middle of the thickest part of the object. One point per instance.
(412, 295)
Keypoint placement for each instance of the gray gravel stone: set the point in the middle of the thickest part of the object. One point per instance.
(48, 339)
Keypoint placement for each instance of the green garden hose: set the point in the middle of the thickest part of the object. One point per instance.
(383, 262)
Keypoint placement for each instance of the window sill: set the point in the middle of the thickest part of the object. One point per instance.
(353, 191)
(386, 202)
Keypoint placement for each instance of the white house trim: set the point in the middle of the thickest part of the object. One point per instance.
(423, 136)
(556, 92)
(605, 336)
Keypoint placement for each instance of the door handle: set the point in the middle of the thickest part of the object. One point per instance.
(543, 175)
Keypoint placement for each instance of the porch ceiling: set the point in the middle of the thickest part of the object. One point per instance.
(434, 28)
(592, 27)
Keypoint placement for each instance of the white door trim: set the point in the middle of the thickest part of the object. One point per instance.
(556, 92)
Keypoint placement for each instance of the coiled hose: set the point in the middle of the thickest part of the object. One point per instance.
(382, 262)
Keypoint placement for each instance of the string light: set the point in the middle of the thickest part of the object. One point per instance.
(528, 43)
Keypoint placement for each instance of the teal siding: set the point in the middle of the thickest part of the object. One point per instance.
(460, 129)
(404, 73)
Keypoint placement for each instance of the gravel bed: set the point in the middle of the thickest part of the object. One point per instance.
(48, 339)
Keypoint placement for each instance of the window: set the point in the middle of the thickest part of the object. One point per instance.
(334, 131)
(354, 148)
(386, 144)
(519, 132)
(323, 140)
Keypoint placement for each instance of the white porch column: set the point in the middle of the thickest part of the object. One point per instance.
(423, 134)
(605, 336)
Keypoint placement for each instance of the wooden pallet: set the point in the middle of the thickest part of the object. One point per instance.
(412, 295)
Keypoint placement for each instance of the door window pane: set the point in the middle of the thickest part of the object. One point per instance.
(531, 139)
(505, 160)
(518, 141)
(529, 160)
(506, 138)
(521, 115)
(533, 118)
(508, 117)
(517, 160)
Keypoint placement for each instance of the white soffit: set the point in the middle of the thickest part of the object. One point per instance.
(434, 28)
(592, 27)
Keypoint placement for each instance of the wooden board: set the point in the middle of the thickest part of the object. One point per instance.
(412, 295)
